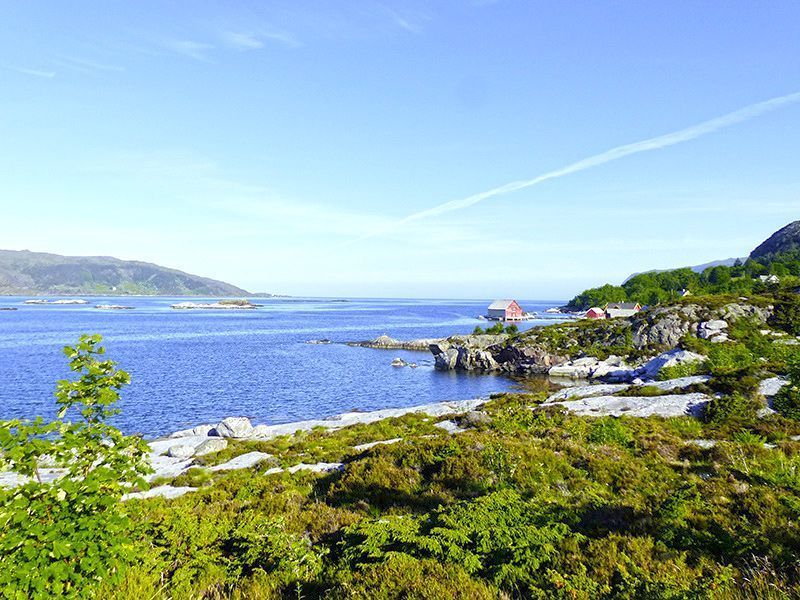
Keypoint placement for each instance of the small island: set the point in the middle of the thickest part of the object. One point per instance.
(62, 301)
(219, 305)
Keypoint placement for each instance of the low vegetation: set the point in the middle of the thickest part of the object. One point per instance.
(497, 329)
(528, 502)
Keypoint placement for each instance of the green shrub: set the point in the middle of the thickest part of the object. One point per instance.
(258, 544)
(748, 438)
(642, 390)
(496, 329)
(787, 400)
(728, 358)
(59, 538)
(786, 315)
(609, 430)
(403, 576)
(682, 370)
(723, 408)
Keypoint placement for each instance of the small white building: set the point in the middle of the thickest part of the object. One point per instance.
(622, 309)
(769, 279)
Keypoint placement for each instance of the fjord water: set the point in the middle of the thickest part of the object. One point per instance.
(198, 366)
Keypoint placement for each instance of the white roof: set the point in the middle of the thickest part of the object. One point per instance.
(500, 304)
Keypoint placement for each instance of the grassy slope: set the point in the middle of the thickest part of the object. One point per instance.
(533, 504)
(530, 504)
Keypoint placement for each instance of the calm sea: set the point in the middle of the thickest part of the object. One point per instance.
(199, 366)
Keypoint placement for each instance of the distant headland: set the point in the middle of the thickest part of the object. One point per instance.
(23, 272)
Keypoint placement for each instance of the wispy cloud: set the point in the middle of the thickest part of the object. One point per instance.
(402, 21)
(34, 72)
(282, 37)
(656, 143)
(242, 41)
(188, 48)
(247, 40)
(86, 66)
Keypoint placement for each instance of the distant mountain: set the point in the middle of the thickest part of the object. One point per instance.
(726, 262)
(784, 240)
(25, 272)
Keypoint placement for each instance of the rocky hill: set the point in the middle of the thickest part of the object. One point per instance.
(782, 241)
(634, 339)
(25, 272)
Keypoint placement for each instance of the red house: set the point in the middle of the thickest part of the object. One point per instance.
(505, 310)
(595, 313)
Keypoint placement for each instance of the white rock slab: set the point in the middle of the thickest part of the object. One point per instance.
(265, 432)
(770, 387)
(679, 383)
(672, 405)
(586, 391)
(166, 466)
(243, 461)
(234, 427)
(449, 426)
(163, 446)
(668, 359)
(607, 389)
(704, 444)
(200, 430)
(181, 451)
(321, 467)
(162, 491)
(210, 446)
(368, 445)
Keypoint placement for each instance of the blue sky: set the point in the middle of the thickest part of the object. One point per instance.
(281, 145)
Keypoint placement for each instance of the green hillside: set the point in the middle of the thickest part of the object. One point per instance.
(778, 256)
(25, 272)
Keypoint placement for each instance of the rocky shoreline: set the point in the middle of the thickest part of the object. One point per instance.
(563, 350)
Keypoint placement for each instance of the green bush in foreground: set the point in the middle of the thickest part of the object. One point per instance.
(59, 538)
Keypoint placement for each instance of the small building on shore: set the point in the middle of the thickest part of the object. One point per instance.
(622, 309)
(595, 313)
(505, 310)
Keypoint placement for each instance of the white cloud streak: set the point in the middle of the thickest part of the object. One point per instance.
(242, 41)
(34, 72)
(655, 143)
(189, 48)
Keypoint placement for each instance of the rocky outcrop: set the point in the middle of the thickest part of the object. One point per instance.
(651, 368)
(487, 353)
(234, 427)
(181, 451)
(665, 326)
(559, 349)
(384, 342)
(590, 367)
(210, 446)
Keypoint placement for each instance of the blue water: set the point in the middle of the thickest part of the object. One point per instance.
(198, 366)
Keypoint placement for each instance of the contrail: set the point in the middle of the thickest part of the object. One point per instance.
(656, 143)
